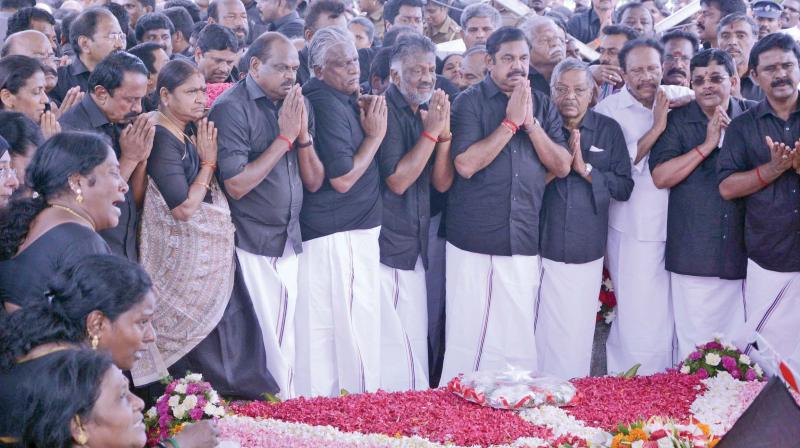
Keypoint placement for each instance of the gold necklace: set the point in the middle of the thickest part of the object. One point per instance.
(174, 126)
(75, 214)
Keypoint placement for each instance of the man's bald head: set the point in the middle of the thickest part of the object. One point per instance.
(34, 44)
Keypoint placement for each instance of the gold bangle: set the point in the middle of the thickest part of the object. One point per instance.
(197, 182)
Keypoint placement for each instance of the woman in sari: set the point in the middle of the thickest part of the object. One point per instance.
(204, 321)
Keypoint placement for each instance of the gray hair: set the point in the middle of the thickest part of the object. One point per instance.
(473, 50)
(533, 22)
(738, 17)
(366, 23)
(323, 41)
(409, 46)
(568, 65)
(480, 10)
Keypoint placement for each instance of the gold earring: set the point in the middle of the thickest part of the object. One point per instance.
(79, 196)
(95, 341)
(81, 437)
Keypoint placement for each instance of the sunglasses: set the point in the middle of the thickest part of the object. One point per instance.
(715, 79)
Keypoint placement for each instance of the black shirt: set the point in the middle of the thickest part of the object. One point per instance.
(74, 74)
(337, 139)
(705, 233)
(86, 116)
(290, 25)
(303, 72)
(496, 211)
(751, 90)
(406, 218)
(538, 82)
(257, 26)
(574, 220)
(584, 26)
(173, 165)
(247, 123)
(772, 214)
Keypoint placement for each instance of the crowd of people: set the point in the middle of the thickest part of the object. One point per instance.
(298, 198)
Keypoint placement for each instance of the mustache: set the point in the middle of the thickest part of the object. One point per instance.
(515, 73)
(647, 84)
(780, 82)
(676, 71)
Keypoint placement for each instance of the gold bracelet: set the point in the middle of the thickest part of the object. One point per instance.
(197, 182)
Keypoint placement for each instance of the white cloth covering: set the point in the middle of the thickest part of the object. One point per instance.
(272, 284)
(703, 307)
(566, 314)
(404, 329)
(643, 329)
(490, 312)
(772, 308)
(338, 314)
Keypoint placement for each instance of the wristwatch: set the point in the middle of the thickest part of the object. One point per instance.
(588, 170)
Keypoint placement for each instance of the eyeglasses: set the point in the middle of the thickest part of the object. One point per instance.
(699, 81)
(562, 91)
(673, 59)
(551, 41)
(117, 36)
(7, 173)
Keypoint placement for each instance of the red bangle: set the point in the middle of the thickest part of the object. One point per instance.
(700, 152)
(286, 139)
(760, 179)
(511, 125)
(430, 137)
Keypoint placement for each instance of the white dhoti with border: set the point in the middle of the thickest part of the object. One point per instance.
(272, 284)
(490, 312)
(703, 307)
(339, 314)
(404, 328)
(772, 308)
(566, 314)
(643, 329)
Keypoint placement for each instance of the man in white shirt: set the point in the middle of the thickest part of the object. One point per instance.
(643, 330)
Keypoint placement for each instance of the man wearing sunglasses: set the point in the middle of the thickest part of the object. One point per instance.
(705, 247)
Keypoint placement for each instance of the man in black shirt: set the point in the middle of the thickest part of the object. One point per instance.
(320, 14)
(414, 154)
(759, 163)
(182, 22)
(266, 156)
(282, 17)
(705, 245)
(708, 19)
(216, 53)
(505, 139)
(548, 48)
(737, 34)
(157, 28)
(574, 225)
(585, 26)
(113, 107)
(93, 35)
(339, 309)
(232, 15)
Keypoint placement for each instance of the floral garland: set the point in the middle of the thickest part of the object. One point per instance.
(608, 300)
(717, 356)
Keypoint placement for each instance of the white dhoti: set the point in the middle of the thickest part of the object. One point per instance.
(643, 328)
(404, 328)
(566, 316)
(272, 284)
(772, 308)
(703, 307)
(490, 312)
(338, 314)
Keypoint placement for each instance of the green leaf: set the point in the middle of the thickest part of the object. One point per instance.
(343, 393)
(270, 398)
(631, 372)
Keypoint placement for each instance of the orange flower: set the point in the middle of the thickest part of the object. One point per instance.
(615, 442)
(705, 428)
(637, 434)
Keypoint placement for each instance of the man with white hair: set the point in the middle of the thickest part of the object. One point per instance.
(414, 155)
(574, 225)
(338, 310)
(478, 22)
(548, 48)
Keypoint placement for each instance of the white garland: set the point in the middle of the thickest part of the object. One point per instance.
(720, 405)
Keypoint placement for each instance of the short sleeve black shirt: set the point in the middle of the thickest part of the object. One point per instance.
(705, 233)
(538, 82)
(496, 211)
(74, 74)
(574, 221)
(751, 90)
(337, 138)
(584, 26)
(772, 214)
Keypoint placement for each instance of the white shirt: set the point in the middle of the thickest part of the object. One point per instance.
(794, 32)
(644, 214)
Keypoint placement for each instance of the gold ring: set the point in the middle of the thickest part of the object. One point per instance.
(438, 107)
(784, 157)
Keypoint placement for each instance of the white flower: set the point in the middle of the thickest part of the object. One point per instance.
(744, 359)
(152, 413)
(665, 442)
(213, 397)
(713, 359)
(685, 370)
(180, 388)
(729, 346)
(758, 370)
(179, 411)
(174, 401)
(637, 444)
(189, 402)
(609, 316)
(194, 378)
(213, 411)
